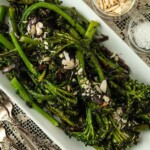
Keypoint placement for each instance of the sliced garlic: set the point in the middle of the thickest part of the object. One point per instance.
(68, 64)
(75, 93)
(66, 55)
(39, 25)
(44, 35)
(68, 88)
(97, 88)
(113, 55)
(39, 31)
(46, 47)
(32, 30)
(116, 58)
(61, 55)
(46, 59)
(116, 116)
(45, 43)
(25, 22)
(103, 86)
(28, 28)
(80, 71)
(124, 121)
(106, 99)
(33, 20)
(119, 111)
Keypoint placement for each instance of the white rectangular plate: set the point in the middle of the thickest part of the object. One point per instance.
(139, 71)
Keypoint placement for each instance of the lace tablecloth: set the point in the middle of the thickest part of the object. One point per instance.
(120, 28)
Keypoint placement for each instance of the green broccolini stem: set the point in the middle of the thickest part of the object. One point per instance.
(121, 134)
(70, 100)
(116, 137)
(64, 92)
(41, 77)
(1, 46)
(61, 49)
(90, 122)
(12, 14)
(41, 97)
(107, 127)
(59, 92)
(92, 28)
(29, 40)
(80, 58)
(73, 10)
(74, 33)
(89, 132)
(22, 54)
(99, 148)
(3, 11)
(99, 120)
(62, 116)
(54, 89)
(48, 85)
(24, 95)
(110, 63)
(90, 34)
(141, 127)
(55, 8)
(8, 53)
(6, 43)
(97, 66)
(144, 117)
(26, 2)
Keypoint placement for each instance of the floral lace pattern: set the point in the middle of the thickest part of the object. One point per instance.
(37, 135)
(120, 28)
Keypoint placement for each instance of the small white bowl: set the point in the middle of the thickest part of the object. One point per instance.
(112, 16)
(138, 18)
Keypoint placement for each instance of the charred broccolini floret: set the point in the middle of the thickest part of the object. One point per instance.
(56, 62)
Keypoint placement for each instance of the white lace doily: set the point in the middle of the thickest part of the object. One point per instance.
(37, 135)
(119, 26)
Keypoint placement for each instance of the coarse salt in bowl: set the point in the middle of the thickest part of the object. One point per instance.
(113, 9)
(138, 34)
